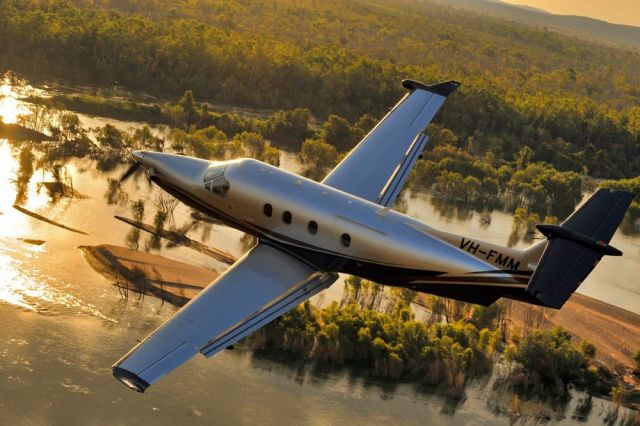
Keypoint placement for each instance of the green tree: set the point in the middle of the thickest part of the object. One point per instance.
(523, 158)
(317, 158)
(289, 128)
(588, 349)
(110, 137)
(189, 111)
(549, 356)
(337, 132)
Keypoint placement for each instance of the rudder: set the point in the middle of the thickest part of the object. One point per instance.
(576, 246)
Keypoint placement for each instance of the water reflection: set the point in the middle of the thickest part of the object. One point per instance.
(16, 287)
(10, 108)
(22, 288)
(23, 175)
(52, 279)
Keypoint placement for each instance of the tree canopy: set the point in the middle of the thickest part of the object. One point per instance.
(573, 103)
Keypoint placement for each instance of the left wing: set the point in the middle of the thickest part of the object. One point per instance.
(262, 285)
(377, 168)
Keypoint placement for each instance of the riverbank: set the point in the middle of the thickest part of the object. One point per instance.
(141, 272)
(17, 132)
(614, 331)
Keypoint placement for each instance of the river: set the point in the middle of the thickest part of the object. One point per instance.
(64, 325)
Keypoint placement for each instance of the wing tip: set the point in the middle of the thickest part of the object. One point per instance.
(131, 380)
(443, 89)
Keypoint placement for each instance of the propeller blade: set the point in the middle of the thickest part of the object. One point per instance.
(131, 170)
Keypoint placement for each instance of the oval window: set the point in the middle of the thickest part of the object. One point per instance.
(286, 217)
(313, 227)
(345, 240)
(268, 210)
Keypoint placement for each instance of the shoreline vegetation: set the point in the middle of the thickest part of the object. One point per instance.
(539, 118)
(573, 103)
(374, 331)
(462, 341)
(535, 191)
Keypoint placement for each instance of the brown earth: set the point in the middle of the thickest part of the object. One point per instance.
(171, 280)
(20, 133)
(614, 331)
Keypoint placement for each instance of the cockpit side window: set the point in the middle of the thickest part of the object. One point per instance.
(214, 180)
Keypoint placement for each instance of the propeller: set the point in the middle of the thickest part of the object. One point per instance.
(136, 156)
(130, 171)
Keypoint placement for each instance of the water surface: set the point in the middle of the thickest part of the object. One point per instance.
(64, 325)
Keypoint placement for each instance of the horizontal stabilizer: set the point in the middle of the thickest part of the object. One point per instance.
(576, 246)
(443, 89)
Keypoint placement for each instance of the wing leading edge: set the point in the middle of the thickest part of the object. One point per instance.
(377, 168)
(262, 285)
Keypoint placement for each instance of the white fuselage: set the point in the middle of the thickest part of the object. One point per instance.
(378, 238)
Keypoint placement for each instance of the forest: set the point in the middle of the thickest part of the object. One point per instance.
(574, 104)
(382, 337)
(538, 114)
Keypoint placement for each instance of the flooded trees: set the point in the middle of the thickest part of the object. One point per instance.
(137, 210)
(537, 188)
(254, 145)
(389, 345)
(317, 158)
(25, 171)
(165, 206)
(549, 359)
(288, 129)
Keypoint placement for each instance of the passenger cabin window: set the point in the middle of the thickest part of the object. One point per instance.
(286, 217)
(215, 181)
(345, 240)
(313, 227)
(268, 210)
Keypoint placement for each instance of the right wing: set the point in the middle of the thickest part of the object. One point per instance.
(262, 285)
(377, 168)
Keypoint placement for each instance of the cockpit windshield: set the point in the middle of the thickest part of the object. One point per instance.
(215, 181)
(214, 172)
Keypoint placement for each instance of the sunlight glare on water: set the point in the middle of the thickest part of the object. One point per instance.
(20, 284)
(10, 107)
(9, 166)
(20, 287)
(7, 172)
(13, 285)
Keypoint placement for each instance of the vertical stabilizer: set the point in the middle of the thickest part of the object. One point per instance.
(576, 246)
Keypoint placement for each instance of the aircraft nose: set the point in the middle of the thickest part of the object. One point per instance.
(138, 156)
(178, 170)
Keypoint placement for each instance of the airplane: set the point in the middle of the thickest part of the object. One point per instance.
(309, 231)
